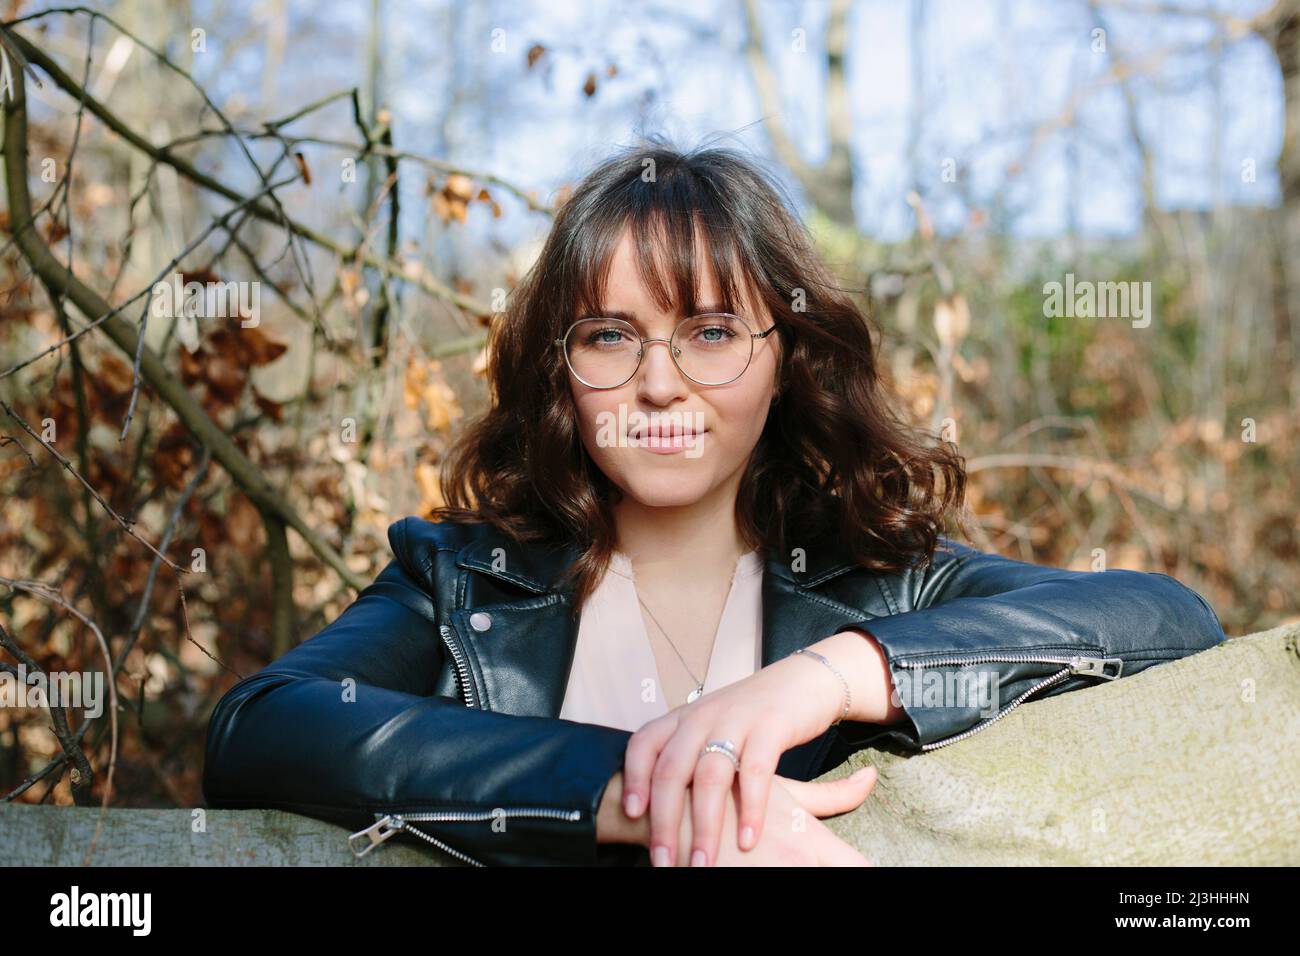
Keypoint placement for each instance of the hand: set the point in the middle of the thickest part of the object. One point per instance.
(793, 835)
(782, 705)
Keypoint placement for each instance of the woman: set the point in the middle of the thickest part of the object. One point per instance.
(691, 559)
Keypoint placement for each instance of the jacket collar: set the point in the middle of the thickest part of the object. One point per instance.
(539, 569)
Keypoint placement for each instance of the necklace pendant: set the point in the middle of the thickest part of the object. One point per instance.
(695, 695)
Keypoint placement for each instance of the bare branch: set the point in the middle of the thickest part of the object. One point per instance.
(47, 593)
(247, 475)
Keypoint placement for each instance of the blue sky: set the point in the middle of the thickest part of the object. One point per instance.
(995, 71)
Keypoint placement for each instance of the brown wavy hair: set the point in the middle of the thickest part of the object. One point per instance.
(834, 461)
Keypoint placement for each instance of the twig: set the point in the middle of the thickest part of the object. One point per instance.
(47, 593)
(84, 778)
(421, 280)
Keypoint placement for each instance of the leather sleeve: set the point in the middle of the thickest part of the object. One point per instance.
(979, 621)
(346, 725)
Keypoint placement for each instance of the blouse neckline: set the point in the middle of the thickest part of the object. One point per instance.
(751, 562)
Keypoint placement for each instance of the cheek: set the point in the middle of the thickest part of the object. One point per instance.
(740, 418)
(747, 407)
(595, 411)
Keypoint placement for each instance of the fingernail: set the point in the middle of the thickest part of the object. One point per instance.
(697, 858)
(747, 837)
(862, 774)
(660, 855)
(632, 804)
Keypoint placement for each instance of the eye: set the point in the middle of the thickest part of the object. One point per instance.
(609, 335)
(713, 335)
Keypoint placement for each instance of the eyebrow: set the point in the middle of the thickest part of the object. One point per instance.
(631, 316)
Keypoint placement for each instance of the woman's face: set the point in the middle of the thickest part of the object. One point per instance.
(640, 433)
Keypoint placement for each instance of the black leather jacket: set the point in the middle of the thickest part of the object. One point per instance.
(430, 704)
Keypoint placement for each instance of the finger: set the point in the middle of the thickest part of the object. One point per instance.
(669, 779)
(828, 798)
(758, 763)
(643, 749)
(710, 788)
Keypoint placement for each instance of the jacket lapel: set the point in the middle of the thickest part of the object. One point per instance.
(521, 663)
(522, 660)
(794, 616)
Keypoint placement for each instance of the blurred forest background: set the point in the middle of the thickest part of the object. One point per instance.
(194, 500)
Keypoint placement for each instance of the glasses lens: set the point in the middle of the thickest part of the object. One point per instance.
(603, 352)
(713, 349)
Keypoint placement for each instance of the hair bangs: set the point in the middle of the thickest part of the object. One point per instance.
(670, 222)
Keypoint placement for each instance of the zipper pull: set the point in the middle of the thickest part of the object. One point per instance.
(376, 833)
(1096, 666)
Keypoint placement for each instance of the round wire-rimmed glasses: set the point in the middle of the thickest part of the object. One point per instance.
(712, 348)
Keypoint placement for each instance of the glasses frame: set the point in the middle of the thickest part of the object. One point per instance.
(673, 350)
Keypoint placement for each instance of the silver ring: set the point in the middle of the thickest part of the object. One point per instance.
(724, 747)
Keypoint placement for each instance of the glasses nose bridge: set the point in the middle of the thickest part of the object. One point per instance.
(668, 342)
(673, 352)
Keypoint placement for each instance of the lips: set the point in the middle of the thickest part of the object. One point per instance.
(665, 438)
(663, 432)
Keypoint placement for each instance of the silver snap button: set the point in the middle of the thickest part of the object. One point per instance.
(480, 620)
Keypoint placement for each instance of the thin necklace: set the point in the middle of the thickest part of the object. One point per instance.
(699, 684)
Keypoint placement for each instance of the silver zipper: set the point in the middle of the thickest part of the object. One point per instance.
(462, 669)
(1075, 664)
(388, 824)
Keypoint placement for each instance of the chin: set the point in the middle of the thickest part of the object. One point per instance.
(665, 490)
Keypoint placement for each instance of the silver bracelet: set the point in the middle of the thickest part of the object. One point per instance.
(848, 697)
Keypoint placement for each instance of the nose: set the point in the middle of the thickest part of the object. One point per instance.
(659, 379)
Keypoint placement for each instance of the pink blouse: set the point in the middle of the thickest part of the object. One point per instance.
(614, 668)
